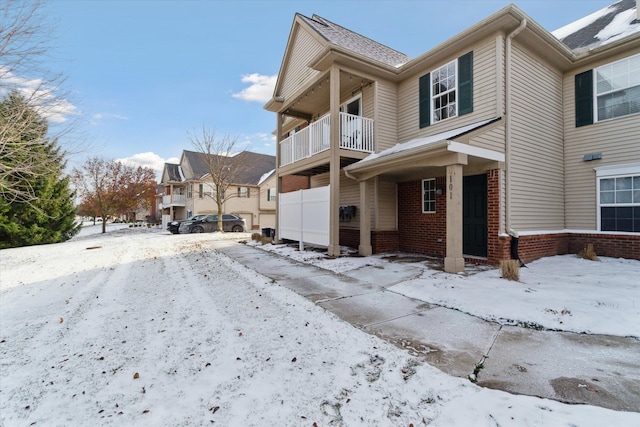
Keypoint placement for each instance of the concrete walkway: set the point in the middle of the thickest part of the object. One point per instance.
(597, 370)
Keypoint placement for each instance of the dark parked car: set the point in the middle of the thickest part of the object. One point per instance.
(174, 226)
(209, 224)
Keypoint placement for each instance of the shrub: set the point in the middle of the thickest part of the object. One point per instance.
(588, 253)
(265, 240)
(256, 236)
(510, 269)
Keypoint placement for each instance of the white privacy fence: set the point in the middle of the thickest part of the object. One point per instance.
(304, 216)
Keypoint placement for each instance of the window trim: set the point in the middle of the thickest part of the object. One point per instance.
(431, 191)
(608, 172)
(596, 95)
(271, 194)
(433, 97)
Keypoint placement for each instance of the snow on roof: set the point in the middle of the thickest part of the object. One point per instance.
(265, 176)
(423, 142)
(602, 27)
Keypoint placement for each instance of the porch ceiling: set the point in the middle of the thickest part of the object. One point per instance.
(429, 155)
(314, 99)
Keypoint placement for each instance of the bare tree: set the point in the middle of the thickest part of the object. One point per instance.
(25, 44)
(223, 164)
(109, 188)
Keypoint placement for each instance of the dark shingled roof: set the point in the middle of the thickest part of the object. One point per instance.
(355, 42)
(173, 171)
(586, 36)
(253, 166)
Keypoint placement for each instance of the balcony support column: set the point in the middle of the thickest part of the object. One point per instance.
(279, 119)
(334, 163)
(365, 220)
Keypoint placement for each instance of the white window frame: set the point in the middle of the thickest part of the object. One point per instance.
(435, 73)
(633, 81)
(343, 106)
(189, 191)
(271, 194)
(609, 172)
(243, 192)
(431, 191)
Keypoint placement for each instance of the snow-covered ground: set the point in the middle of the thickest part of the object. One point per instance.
(140, 327)
(565, 292)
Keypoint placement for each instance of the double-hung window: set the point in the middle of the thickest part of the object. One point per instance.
(243, 192)
(428, 195)
(271, 194)
(607, 92)
(618, 88)
(619, 199)
(446, 91)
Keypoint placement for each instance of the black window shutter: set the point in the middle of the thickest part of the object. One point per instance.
(584, 98)
(465, 84)
(425, 100)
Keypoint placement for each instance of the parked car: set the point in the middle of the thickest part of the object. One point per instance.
(174, 226)
(209, 224)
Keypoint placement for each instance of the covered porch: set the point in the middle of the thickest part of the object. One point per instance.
(447, 156)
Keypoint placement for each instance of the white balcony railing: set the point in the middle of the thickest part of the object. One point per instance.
(356, 134)
(173, 199)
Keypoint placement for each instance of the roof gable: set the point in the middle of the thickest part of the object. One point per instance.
(605, 26)
(250, 166)
(343, 37)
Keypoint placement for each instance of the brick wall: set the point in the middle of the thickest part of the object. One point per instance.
(294, 183)
(418, 232)
(610, 245)
(384, 241)
(498, 247)
(537, 246)
(350, 237)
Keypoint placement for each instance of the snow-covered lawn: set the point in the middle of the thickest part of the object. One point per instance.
(140, 327)
(565, 292)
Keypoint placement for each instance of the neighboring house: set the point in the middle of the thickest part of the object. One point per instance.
(187, 189)
(503, 129)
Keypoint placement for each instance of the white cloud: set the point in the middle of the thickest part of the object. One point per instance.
(260, 89)
(116, 116)
(44, 97)
(148, 160)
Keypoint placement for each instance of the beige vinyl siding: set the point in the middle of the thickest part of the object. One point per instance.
(386, 118)
(350, 196)
(618, 141)
(387, 200)
(537, 178)
(492, 140)
(297, 73)
(484, 95)
(321, 180)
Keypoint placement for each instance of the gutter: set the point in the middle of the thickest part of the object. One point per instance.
(507, 135)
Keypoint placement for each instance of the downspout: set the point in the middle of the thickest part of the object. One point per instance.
(507, 137)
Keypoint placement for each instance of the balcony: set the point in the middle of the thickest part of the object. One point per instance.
(173, 200)
(356, 134)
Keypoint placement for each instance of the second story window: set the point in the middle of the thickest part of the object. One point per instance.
(607, 92)
(446, 91)
(271, 194)
(243, 192)
(443, 92)
(201, 190)
(618, 88)
(190, 191)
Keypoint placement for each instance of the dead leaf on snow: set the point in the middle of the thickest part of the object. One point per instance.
(61, 320)
(136, 376)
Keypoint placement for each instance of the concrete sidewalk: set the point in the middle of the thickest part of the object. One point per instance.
(597, 370)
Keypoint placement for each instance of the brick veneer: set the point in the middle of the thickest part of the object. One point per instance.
(424, 233)
(294, 183)
(419, 232)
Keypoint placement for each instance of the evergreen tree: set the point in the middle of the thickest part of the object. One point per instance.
(49, 216)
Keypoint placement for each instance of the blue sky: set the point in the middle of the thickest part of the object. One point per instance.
(143, 74)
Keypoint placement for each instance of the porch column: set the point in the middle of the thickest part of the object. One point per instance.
(171, 218)
(365, 220)
(279, 119)
(454, 261)
(334, 163)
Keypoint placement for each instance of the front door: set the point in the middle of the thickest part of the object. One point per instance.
(474, 215)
